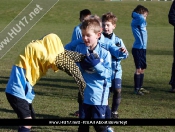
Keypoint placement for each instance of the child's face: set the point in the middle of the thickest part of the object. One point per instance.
(108, 27)
(90, 38)
(145, 14)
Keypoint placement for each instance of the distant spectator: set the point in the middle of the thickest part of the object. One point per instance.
(171, 17)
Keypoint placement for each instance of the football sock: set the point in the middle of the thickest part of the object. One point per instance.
(141, 80)
(137, 81)
(116, 101)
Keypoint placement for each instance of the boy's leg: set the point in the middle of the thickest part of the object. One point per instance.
(32, 111)
(108, 116)
(141, 79)
(82, 128)
(21, 108)
(23, 129)
(141, 84)
(98, 112)
(87, 115)
(81, 111)
(136, 82)
(116, 85)
(172, 80)
(108, 112)
(137, 55)
(143, 66)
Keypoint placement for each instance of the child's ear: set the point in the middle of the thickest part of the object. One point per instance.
(99, 35)
(114, 26)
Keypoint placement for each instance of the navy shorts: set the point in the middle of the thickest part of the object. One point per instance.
(22, 108)
(94, 111)
(139, 56)
(116, 83)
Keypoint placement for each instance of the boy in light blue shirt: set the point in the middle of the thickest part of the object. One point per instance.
(138, 25)
(118, 51)
(96, 71)
(109, 24)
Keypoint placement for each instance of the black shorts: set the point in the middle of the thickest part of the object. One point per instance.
(139, 56)
(22, 108)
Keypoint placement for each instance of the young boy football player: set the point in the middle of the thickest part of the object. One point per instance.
(77, 31)
(33, 63)
(109, 24)
(96, 71)
(138, 25)
(114, 50)
(77, 34)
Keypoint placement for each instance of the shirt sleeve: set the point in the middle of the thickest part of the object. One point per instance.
(73, 44)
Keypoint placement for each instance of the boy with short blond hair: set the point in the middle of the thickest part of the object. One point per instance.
(96, 71)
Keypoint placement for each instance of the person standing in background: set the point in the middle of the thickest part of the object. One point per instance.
(171, 18)
(138, 25)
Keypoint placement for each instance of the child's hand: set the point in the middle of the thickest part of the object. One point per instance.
(84, 65)
(123, 50)
(92, 60)
(89, 61)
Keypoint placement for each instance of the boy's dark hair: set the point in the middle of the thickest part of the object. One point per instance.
(140, 9)
(85, 12)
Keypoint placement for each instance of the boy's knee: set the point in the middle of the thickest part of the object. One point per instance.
(117, 91)
(139, 71)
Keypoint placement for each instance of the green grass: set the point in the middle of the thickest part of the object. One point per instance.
(56, 94)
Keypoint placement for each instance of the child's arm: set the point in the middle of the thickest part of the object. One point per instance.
(123, 49)
(75, 56)
(139, 18)
(73, 44)
(64, 63)
(76, 33)
(118, 52)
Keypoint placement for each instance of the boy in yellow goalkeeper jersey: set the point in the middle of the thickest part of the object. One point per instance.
(33, 63)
